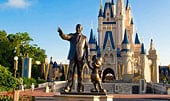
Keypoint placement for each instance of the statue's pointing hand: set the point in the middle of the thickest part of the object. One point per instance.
(59, 30)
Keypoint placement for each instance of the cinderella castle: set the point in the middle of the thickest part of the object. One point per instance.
(124, 58)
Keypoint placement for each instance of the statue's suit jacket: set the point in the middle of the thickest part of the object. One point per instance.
(78, 46)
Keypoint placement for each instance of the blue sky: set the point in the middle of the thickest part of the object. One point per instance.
(40, 18)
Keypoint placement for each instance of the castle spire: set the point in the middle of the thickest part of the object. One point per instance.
(100, 10)
(113, 2)
(151, 45)
(125, 40)
(137, 39)
(127, 4)
(100, 4)
(143, 49)
(120, 7)
(92, 37)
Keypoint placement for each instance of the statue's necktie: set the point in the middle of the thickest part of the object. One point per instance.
(78, 38)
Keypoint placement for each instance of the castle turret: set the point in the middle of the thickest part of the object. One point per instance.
(126, 55)
(143, 50)
(120, 8)
(128, 13)
(100, 25)
(137, 46)
(120, 14)
(125, 42)
(92, 44)
(137, 39)
(108, 13)
(100, 10)
(154, 66)
(145, 65)
(113, 7)
(129, 23)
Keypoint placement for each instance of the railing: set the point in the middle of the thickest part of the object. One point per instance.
(55, 86)
(158, 87)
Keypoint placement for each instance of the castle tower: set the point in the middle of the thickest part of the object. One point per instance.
(128, 14)
(126, 55)
(113, 7)
(137, 46)
(100, 25)
(154, 66)
(129, 24)
(145, 65)
(120, 17)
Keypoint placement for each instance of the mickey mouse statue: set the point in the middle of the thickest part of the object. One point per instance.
(95, 77)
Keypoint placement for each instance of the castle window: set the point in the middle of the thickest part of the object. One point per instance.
(162, 72)
(166, 73)
(107, 14)
(107, 19)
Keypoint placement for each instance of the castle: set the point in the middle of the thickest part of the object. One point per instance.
(124, 58)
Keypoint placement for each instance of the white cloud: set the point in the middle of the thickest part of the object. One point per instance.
(17, 3)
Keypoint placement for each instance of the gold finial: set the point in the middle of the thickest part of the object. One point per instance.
(100, 4)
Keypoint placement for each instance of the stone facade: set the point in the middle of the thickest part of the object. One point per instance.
(124, 58)
(117, 88)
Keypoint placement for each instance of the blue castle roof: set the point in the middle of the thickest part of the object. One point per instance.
(143, 49)
(92, 39)
(125, 40)
(100, 13)
(137, 39)
(113, 2)
(108, 5)
(127, 4)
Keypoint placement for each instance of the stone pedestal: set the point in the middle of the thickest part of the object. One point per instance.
(66, 97)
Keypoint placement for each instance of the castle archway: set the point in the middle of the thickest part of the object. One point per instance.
(86, 73)
(108, 75)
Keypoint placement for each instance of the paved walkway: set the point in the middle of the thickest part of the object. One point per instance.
(139, 96)
(40, 92)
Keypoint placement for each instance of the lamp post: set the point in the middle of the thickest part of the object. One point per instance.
(15, 65)
(16, 93)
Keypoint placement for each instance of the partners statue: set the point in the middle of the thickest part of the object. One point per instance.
(95, 77)
(79, 51)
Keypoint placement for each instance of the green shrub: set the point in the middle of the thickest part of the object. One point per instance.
(39, 81)
(29, 81)
(6, 98)
(7, 80)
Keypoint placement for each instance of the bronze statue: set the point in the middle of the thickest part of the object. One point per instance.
(95, 77)
(79, 51)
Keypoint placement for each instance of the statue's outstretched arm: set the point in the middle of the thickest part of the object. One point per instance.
(64, 36)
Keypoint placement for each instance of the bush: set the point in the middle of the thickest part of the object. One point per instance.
(6, 98)
(39, 81)
(7, 80)
(29, 81)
